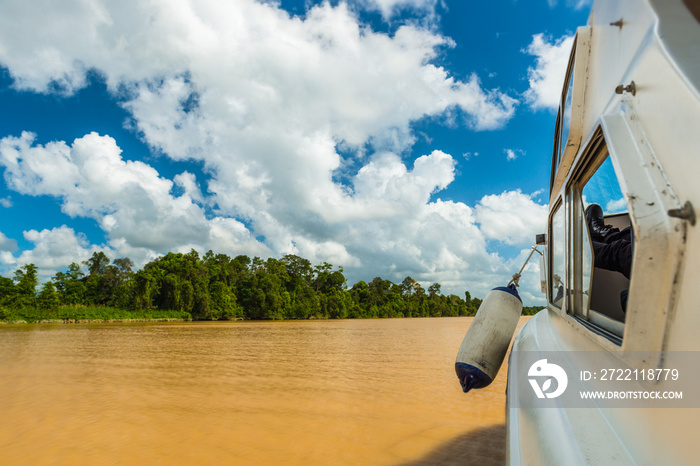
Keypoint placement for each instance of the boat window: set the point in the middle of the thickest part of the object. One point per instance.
(557, 257)
(602, 247)
(566, 115)
(563, 123)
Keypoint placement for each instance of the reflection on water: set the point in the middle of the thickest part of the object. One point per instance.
(311, 392)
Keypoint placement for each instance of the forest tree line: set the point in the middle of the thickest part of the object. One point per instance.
(218, 287)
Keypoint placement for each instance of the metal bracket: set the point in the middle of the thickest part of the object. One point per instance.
(684, 213)
(631, 88)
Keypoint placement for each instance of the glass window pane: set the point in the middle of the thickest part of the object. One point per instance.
(603, 189)
(558, 251)
(566, 117)
(586, 262)
(608, 245)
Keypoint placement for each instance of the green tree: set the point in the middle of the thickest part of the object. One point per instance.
(408, 287)
(70, 285)
(298, 268)
(360, 295)
(217, 287)
(27, 280)
(322, 272)
(117, 282)
(7, 288)
(223, 302)
(170, 291)
(49, 298)
(434, 290)
(144, 289)
(97, 264)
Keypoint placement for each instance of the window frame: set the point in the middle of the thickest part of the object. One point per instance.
(594, 155)
(659, 239)
(575, 82)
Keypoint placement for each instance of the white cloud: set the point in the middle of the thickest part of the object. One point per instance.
(6, 202)
(53, 250)
(547, 77)
(248, 61)
(579, 4)
(188, 182)
(511, 217)
(388, 8)
(387, 187)
(615, 206)
(129, 200)
(575, 4)
(262, 100)
(512, 154)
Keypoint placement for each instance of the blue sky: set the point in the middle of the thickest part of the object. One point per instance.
(392, 137)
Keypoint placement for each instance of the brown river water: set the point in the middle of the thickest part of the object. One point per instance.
(370, 392)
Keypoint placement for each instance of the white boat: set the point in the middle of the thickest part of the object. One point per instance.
(627, 138)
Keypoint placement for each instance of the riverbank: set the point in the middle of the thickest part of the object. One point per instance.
(78, 314)
(87, 315)
(91, 321)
